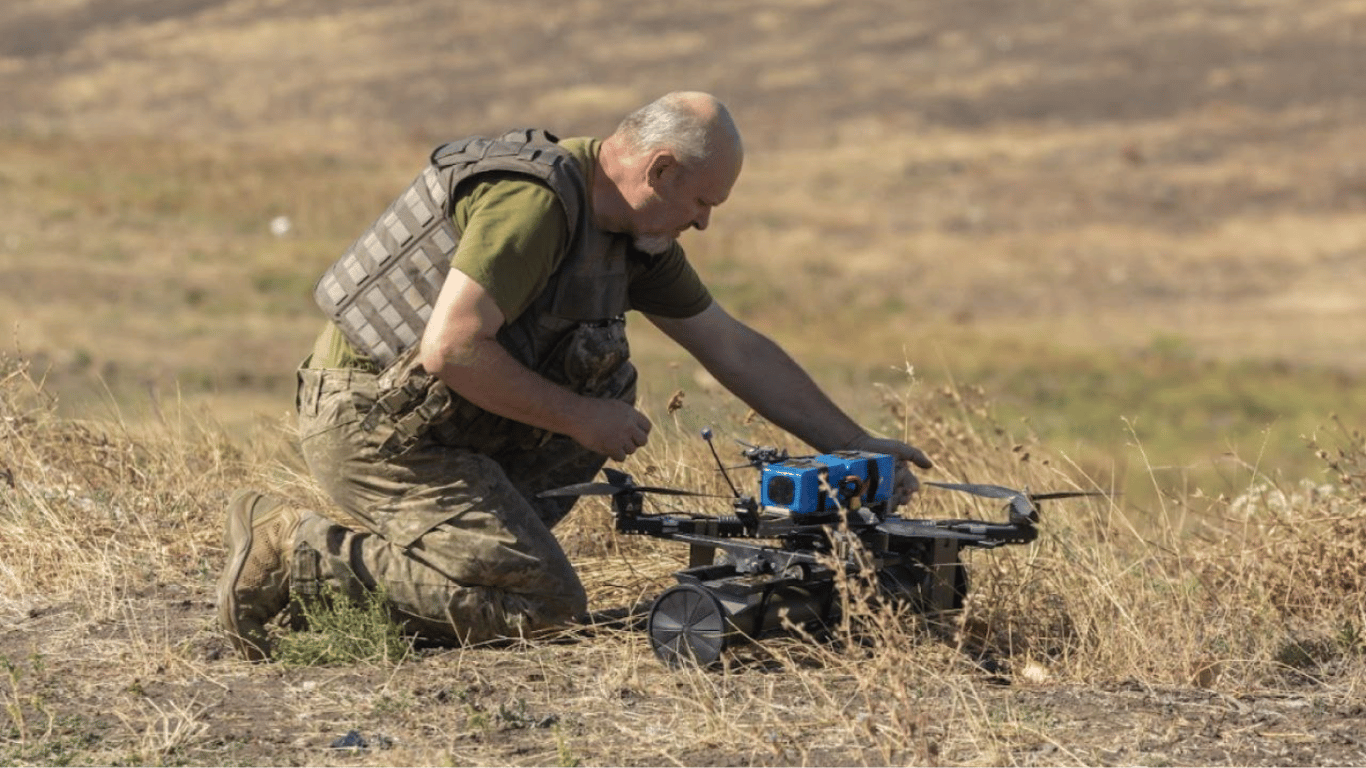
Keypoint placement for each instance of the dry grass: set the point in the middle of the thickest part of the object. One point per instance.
(1226, 607)
(1135, 224)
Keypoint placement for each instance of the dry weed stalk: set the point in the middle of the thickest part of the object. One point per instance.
(102, 510)
(161, 731)
(116, 521)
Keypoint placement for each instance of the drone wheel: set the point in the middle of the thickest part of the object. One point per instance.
(688, 626)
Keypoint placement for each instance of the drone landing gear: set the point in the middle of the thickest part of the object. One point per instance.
(688, 626)
(715, 607)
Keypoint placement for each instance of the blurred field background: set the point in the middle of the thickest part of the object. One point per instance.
(1113, 244)
(1131, 222)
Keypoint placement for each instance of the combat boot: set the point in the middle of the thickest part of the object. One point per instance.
(254, 587)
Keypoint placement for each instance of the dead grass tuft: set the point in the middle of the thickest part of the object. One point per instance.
(112, 550)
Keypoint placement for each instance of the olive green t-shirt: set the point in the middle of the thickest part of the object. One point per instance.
(513, 234)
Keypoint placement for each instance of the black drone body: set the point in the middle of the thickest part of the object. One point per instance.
(781, 549)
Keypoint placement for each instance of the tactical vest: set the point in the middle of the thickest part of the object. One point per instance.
(380, 294)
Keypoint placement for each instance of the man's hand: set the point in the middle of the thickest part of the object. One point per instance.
(611, 427)
(905, 485)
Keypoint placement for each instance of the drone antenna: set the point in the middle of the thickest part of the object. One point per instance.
(706, 435)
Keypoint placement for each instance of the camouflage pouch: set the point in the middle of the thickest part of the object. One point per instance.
(592, 355)
(591, 359)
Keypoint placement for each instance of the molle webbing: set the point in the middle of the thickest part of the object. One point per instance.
(380, 293)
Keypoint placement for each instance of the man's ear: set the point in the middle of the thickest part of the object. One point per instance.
(663, 165)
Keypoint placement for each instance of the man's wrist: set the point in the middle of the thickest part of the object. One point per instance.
(854, 441)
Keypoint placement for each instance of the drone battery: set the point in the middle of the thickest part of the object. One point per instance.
(823, 484)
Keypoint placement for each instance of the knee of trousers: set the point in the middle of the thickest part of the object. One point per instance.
(557, 598)
(481, 614)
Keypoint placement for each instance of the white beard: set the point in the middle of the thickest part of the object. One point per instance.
(653, 244)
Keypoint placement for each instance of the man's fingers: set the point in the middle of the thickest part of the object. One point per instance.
(635, 440)
(914, 455)
(906, 480)
(903, 451)
(919, 458)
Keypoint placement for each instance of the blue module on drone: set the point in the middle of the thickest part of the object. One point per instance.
(805, 485)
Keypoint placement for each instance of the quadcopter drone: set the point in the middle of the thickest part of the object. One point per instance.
(813, 515)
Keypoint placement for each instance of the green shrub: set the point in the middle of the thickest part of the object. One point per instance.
(342, 631)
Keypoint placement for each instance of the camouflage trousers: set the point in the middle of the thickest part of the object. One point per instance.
(458, 541)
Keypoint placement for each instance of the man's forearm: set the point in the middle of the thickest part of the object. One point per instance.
(489, 377)
(768, 380)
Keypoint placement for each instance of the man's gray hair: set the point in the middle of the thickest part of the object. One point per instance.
(673, 122)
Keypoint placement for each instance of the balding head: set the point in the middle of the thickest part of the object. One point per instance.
(665, 168)
(694, 126)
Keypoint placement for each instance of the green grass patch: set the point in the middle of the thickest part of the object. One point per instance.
(344, 631)
(1162, 418)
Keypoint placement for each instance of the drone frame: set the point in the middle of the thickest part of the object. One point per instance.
(778, 571)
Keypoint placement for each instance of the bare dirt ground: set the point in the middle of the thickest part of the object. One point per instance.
(152, 682)
(1101, 172)
(557, 705)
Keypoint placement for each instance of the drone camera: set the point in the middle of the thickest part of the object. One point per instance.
(824, 484)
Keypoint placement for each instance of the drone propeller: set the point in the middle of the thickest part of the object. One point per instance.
(1021, 502)
(1063, 495)
(617, 483)
(1001, 492)
(607, 489)
(895, 526)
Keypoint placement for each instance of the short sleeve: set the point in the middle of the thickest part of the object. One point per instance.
(513, 234)
(667, 285)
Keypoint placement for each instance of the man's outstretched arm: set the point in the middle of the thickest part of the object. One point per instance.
(759, 372)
